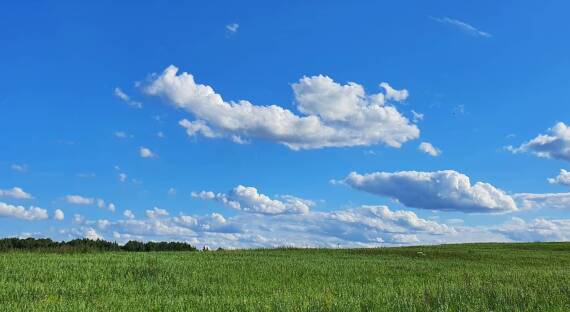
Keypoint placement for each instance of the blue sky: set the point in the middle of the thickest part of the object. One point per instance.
(137, 104)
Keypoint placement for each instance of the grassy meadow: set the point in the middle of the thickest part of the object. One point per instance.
(472, 277)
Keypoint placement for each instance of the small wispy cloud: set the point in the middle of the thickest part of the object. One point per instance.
(123, 135)
(232, 28)
(126, 98)
(467, 28)
(19, 167)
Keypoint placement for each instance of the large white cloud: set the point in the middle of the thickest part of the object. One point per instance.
(16, 193)
(563, 178)
(335, 115)
(439, 190)
(248, 199)
(555, 145)
(20, 212)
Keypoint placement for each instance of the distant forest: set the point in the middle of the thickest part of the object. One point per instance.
(87, 245)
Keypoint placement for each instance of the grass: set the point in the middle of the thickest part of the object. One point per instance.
(471, 277)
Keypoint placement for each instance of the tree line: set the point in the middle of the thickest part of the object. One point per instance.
(87, 245)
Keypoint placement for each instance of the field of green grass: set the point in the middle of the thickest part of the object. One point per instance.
(473, 277)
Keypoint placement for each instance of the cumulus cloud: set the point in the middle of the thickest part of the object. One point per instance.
(393, 94)
(128, 214)
(79, 200)
(16, 193)
(127, 99)
(555, 145)
(467, 28)
(145, 152)
(20, 212)
(363, 226)
(91, 234)
(563, 178)
(540, 229)
(248, 199)
(541, 201)
(58, 215)
(441, 190)
(156, 212)
(429, 149)
(333, 114)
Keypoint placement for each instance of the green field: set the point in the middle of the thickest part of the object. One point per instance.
(473, 277)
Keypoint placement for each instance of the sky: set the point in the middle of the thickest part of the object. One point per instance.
(243, 124)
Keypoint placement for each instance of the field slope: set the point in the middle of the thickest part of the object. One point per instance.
(473, 277)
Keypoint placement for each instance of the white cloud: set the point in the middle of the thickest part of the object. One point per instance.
(441, 190)
(91, 234)
(542, 201)
(232, 28)
(122, 177)
(16, 193)
(554, 145)
(364, 226)
(122, 135)
(146, 153)
(172, 191)
(467, 28)
(78, 219)
(79, 200)
(156, 213)
(335, 115)
(563, 178)
(204, 195)
(19, 167)
(58, 215)
(128, 214)
(536, 230)
(393, 94)
(20, 212)
(127, 99)
(417, 116)
(429, 149)
(248, 199)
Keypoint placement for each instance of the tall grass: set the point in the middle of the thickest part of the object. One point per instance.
(473, 277)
